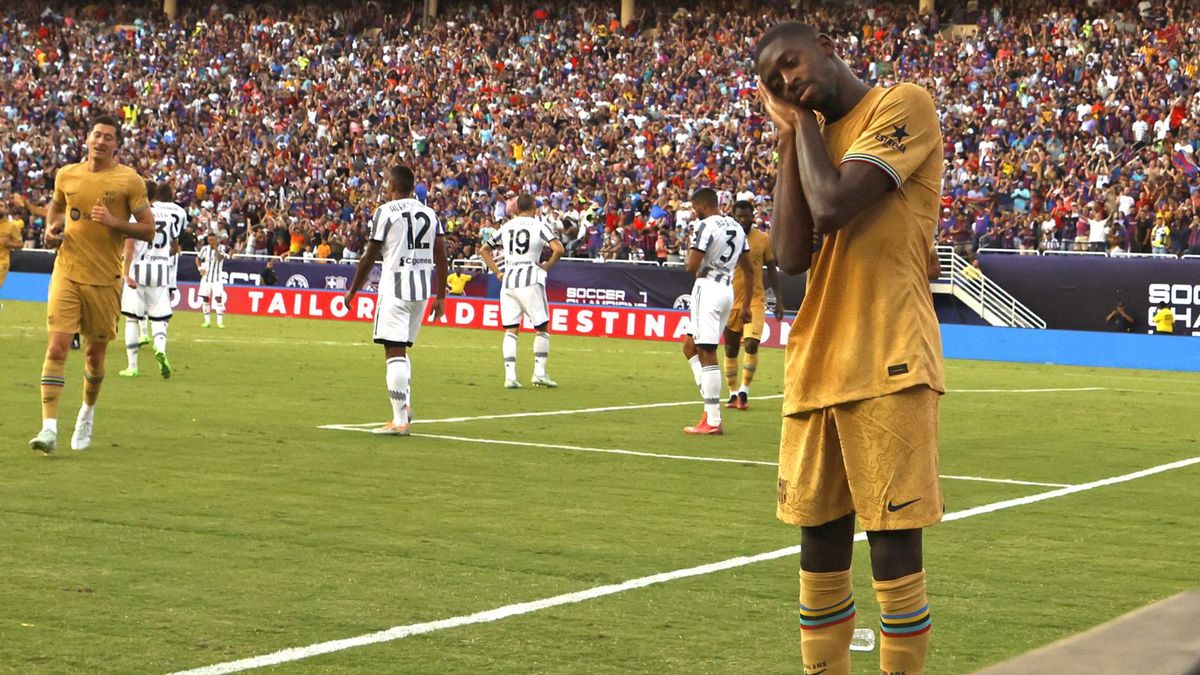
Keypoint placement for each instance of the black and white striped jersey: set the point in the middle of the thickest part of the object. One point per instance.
(522, 240)
(212, 263)
(152, 262)
(407, 229)
(722, 240)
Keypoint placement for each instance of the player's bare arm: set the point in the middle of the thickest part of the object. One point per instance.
(141, 228)
(693, 261)
(127, 264)
(933, 266)
(485, 252)
(56, 216)
(369, 257)
(748, 272)
(791, 222)
(443, 270)
(773, 280)
(835, 195)
(556, 252)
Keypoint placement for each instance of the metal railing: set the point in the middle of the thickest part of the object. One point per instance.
(987, 298)
(1094, 254)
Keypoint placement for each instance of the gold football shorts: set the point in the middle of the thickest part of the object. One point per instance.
(758, 316)
(91, 311)
(877, 458)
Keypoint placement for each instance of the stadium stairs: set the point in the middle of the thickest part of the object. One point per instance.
(983, 296)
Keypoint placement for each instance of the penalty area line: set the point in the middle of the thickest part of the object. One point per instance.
(518, 609)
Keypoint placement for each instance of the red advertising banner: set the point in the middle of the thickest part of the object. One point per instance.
(462, 312)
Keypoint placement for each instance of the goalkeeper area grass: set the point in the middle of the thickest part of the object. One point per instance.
(237, 514)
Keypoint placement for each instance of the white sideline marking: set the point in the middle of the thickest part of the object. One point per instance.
(671, 404)
(1023, 391)
(401, 632)
(1007, 481)
(659, 455)
(611, 451)
(542, 413)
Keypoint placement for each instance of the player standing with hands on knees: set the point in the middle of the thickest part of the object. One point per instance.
(90, 214)
(407, 235)
(717, 248)
(863, 366)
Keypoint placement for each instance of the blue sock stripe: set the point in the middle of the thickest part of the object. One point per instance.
(832, 618)
(901, 617)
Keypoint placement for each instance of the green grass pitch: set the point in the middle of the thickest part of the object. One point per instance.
(212, 520)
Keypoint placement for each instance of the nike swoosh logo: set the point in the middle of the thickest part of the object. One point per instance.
(72, 193)
(896, 507)
(819, 671)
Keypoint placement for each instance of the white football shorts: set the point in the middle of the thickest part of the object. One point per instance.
(711, 304)
(146, 301)
(529, 301)
(398, 321)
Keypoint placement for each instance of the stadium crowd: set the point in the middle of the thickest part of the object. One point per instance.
(1068, 126)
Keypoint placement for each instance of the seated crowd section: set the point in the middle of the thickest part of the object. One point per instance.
(1068, 126)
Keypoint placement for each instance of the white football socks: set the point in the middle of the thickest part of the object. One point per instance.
(541, 353)
(710, 389)
(694, 362)
(399, 375)
(509, 350)
(132, 332)
(159, 331)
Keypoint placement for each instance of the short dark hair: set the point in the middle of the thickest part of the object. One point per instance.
(151, 189)
(165, 193)
(783, 30)
(404, 178)
(705, 196)
(742, 204)
(525, 202)
(109, 121)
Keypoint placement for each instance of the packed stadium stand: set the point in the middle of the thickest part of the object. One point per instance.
(1067, 126)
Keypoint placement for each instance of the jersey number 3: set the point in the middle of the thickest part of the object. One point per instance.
(731, 240)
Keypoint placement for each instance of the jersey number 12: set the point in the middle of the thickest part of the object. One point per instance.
(419, 241)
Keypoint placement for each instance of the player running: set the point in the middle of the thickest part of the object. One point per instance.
(147, 295)
(410, 240)
(717, 247)
(863, 370)
(90, 213)
(743, 333)
(211, 263)
(522, 241)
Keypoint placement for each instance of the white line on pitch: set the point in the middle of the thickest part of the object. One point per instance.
(401, 632)
(690, 458)
(1007, 481)
(1024, 391)
(542, 413)
(671, 404)
(610, 451)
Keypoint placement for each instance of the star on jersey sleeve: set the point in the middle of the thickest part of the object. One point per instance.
(902, 132)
